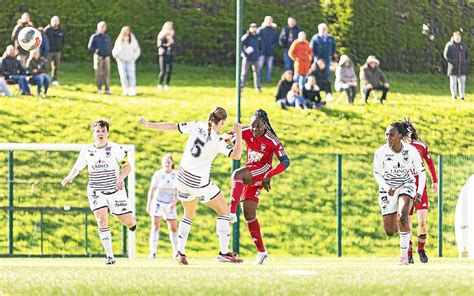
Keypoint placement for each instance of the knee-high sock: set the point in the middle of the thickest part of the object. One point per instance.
(404, 242)
(421, 241)
(223, 233)
(183, 231)
(154, 238)
(174, 241)
(254, 229)
(236, 193)
(106, 238)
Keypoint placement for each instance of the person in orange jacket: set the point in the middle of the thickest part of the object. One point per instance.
(301, 53)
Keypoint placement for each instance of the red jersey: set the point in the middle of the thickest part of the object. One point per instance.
(425, 155)
(260, 150)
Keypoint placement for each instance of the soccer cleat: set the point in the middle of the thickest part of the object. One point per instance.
(404, 261)
(229, 257)
(261, 256)
(423, 256)
(152, 256)
(411, 260)
(181, 258)
(110, 261)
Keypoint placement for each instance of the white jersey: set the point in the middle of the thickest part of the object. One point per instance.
(165, 185)
(195, 166)
(392, 170)
(103, 165)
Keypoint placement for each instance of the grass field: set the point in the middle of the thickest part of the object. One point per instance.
(205, 276)
(297, 215)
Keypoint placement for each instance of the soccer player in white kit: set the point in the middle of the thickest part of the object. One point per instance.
(162, 198)
(395, 166)
(108, 167)
(193, 182)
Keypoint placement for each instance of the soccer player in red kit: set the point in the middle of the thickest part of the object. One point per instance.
(422, 207)
(247, 182)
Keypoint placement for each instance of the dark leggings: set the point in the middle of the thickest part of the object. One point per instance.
(379, 87)
(351, 93)
(166, 66)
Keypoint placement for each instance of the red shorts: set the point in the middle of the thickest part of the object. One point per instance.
(423, 205)
(252, 191)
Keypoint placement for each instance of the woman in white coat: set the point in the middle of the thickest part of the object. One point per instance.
(126, 51)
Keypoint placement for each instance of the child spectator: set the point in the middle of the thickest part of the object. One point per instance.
(294, 99)
(311, 93)
(126, 51)
(12, 70)
(57, 40)
(283, 87)
(37, 66)
(346, 79)
(318, 70)
(101, 46)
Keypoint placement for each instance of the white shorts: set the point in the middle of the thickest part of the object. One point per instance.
(203, 194)
(389, 204)
(161, 209)
(116, 201)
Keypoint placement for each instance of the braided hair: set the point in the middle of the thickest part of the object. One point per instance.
(216, 115)
(261, 114)
(402, 129)
(411, 128)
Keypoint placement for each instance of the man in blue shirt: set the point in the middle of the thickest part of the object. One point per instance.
(269, 38)
(101, 45)
(323, 46)
(251, 51)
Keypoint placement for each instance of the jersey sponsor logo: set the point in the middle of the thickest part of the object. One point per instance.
(120, 203)
(254, 156)
(262, 147)
(183, 195)
(202, 132)
(100, 164)
(91, 153)
(107, 151)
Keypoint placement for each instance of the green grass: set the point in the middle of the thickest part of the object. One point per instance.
(297, 216)
(205, 276)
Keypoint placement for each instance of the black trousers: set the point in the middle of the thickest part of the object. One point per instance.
(166, 67)
(351, 93)
(378, 87)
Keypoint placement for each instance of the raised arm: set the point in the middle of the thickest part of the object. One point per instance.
(161, 126)
(237, 152)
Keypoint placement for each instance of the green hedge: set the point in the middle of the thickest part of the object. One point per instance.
(390, 29)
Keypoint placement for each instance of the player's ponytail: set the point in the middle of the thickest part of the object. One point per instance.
(216, 115)
(260, 113)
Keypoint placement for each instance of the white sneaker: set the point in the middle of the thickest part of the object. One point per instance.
(132, 92)
(404, 261)
(329, 97)
(55, 83)
(152, 256)
(261, 256)
(160, 87)
(124, 91)
(166, 87)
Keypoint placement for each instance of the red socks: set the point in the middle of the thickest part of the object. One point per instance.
(236, 193)
(254, 229)
(421, 241)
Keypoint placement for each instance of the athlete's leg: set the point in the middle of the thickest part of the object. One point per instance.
(240, 177)
(404, 206)
(101, 216)
(128, 220)
(154, 234)
(410, 222)
(173, 234)
(422, 228)
(185, 224)
(219, 205)
(250, 214)
(390, 224)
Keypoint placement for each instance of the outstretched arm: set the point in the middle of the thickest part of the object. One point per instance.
(161, 126)
(280, 168)
(237, 152)
(72, 174)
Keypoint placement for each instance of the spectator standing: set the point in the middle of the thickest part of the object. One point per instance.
(100, 45)
(165, 42)
(324, 46)
(318, 70)
(301, 54)
(126, 51)
(287, 36)
(269, 37)
(57, 40)
(23, 22)
(12, 69)
(251, 50)
(283, 87)
(346, 79)
(44, 47)
(457, 55)
(38, 67)
(372, 77)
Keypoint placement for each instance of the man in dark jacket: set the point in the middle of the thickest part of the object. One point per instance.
(57, 39)
(287, 36)
(101, 45)
(23, 22)
(269, 37)
(12, 70)
(251, 51)
(457, 55)
(324, 46)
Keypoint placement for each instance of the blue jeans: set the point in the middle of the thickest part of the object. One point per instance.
(41, 80)
(301, 79)
(269, 64)
(126, 71)
(287, 62)
(4, 88)
(22, 83)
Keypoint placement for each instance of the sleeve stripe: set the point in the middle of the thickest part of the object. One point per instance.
(230, 152)
(179, 129)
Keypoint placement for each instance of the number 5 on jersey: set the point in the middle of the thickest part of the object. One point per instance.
(197, 148)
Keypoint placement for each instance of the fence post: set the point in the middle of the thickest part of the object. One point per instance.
(339, 205)
(124, 241)
(86, 239)
(41, 229)
(10, 202)
(440, 206)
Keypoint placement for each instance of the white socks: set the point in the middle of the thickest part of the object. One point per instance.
(183, 232)
(106, 238)
(404, 242)
(174, 241)
(223, 233)
(154, 238)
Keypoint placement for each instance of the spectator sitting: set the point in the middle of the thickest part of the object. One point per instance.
(12, 70)
(311, 93)
(318, 70)
(38, 67)
(251, 51)
(44, 48)
(23, 22)
(294, 99)
(372, 77)
(101, 46)
(346, 79)
(301, 54)
(287, 36)
(283, 87)
(126, 51)
(57, 39)
(269, 37)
